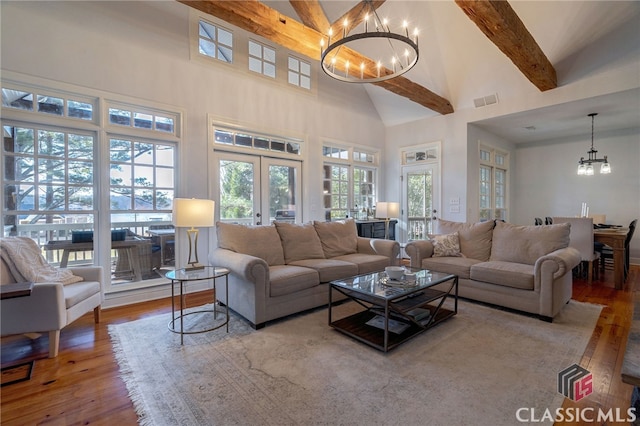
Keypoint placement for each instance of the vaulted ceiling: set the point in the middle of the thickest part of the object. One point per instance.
(468, 50)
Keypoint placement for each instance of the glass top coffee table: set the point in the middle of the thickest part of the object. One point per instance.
(394, 311)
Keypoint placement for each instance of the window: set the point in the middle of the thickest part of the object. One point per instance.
(50, 179)
(53, 104)
(48, 184)
(349, 186)
(299, 73)
(142, 176)
(122, 115)
(254, 141)
(493, 184)
(262, 59)
(215, 42)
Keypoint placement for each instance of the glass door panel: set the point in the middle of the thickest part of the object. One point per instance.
(239, 189)
(420, 195)
(281, 182)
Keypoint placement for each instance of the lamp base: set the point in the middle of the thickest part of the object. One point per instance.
(194, 267)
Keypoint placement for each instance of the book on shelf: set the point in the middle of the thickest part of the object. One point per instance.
(395, 326)
(420, 314)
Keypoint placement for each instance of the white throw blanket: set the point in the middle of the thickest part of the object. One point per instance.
(26, 262)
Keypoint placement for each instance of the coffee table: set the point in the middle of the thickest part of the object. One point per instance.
(394, 312)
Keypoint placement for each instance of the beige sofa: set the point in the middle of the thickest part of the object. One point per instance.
(284, 268)
(526, 268)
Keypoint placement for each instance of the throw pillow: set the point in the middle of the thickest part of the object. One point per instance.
(259, 241)
(299, 242)
(446, 245)
(475, 238)
(338, 238)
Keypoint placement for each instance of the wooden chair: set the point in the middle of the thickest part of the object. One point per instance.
(606, 252)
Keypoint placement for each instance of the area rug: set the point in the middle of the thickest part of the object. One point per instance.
(479, 367)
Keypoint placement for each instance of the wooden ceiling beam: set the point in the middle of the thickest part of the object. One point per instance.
(355, 17)
(311, 14)
(258, 18)
(500, 23)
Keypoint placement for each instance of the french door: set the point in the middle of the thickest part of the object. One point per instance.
(421, 195)
(256, 190)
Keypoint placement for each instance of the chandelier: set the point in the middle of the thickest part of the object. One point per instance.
(585, 166)
(341, 61)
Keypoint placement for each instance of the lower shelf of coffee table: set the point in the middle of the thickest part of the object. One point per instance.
(356, 327)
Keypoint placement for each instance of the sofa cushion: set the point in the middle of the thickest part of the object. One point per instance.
(508, 274)
(450, 265)
(338, 238)
(259, 241)
(367, 263)
(329, 269)
(299, 242)
(526, 244)
(287, 279)
(77, 292)
(475, 238)
(446, 245)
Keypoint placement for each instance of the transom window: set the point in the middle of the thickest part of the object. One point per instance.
(262, 59)
(244, 139)
(215, 42)
(142, 119)
(53, 104)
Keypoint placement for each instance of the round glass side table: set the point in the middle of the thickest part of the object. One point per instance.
(184, 276)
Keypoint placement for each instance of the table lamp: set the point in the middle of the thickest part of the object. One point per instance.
(192, 213)
(386, 210)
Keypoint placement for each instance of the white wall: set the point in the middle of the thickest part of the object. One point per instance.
(141, 50)
(546, 182)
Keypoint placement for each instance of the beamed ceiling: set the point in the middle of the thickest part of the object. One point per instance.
(468, 49)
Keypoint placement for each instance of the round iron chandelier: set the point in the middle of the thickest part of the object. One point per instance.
(341, 61)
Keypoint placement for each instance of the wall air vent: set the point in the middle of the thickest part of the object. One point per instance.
(486, 100)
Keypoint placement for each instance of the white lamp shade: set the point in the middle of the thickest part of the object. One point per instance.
(193, 213)
(387, 210)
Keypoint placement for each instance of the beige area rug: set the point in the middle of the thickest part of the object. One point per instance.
(477, 368)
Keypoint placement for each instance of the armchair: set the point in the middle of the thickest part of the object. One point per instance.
(51, 306)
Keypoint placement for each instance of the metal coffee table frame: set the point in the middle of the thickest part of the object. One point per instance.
(393, 303)
(182, 276)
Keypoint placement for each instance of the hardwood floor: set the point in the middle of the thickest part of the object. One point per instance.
(82, 385)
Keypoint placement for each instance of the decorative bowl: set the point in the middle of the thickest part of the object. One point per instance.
(394, 272)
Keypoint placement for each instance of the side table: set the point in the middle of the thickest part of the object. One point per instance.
(183, 276)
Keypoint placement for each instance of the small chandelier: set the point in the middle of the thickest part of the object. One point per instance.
(585, 167)
(402, 51)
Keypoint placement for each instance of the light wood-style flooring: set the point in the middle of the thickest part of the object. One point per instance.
(82, 385)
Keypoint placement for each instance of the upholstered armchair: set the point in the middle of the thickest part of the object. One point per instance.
(51, 306)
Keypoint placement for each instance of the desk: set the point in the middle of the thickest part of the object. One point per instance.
(126, 245)
(614, 238)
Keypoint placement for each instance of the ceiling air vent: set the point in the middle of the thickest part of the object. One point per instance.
(486, 100)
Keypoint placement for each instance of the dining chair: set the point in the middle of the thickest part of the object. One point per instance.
(581, 238)
(537, 221)
(548, 220)
(606, 252)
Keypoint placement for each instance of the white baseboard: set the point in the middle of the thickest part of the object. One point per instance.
(129, 297)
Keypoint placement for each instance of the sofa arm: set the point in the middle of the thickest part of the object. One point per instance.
(88, 273)
(557, 263)
(247, 267)
(418, 250)
(388, 248)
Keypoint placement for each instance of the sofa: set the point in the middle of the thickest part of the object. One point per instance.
(525, 268)
(284, 268)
